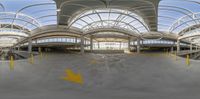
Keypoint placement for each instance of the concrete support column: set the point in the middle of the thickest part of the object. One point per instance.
(36, 41)
(76, 42)
(98, 45)
(142, 42)
(129, 44)
(29, 45)
(11, 49)
(120, 45)
(138, 45)
(18, 47)
(85, 43)
(172, 49)
(190, 46)
(91, 43)
(178, 46)
(82, 45)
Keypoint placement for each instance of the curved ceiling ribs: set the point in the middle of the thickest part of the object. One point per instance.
(29, 6)
(135, 17)
(72, 8)
(182, 15)
(115, 21)
(2, 7)
(19, 24)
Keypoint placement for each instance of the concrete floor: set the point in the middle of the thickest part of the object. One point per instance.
(118, 76)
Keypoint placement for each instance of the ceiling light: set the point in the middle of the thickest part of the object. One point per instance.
(58, 10)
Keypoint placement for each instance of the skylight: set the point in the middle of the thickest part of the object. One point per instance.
(109, 18)
(176, 15)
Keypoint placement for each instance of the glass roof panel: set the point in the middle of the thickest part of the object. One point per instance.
(176, 15)
(19, 16)
(105, 18)
(28, 10)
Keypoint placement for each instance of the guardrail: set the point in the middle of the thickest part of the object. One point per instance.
(185, 52)
(25, 54)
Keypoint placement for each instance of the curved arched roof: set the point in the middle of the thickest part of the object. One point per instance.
(19, 17)
(179, 17)
(176, 15)
(145, 8)
(109, 18)
(30, 14)
(133, 16)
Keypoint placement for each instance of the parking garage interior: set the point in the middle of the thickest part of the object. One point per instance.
(99, 49)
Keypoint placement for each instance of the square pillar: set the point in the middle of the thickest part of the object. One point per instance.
(76, 42)
(138, 45)
(129, 44)
(120, 45)
(190, 46)
(172, 49)
(98, 45)
(36, 41)
(91, 43)
(29, 45)
(82, 45)
(18, 47)
(178, 46)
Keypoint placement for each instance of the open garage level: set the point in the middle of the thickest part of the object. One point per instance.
(99, 49)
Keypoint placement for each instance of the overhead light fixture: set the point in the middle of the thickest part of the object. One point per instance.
(58, 10)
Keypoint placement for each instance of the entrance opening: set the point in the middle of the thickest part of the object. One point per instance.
(111, 45)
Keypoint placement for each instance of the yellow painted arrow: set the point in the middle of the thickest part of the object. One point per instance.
(73, 77)
(93, 61)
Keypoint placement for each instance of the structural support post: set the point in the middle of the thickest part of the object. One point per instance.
(142, 42)
(172, 49)
(120, 45)
(91, 44)
(85, 43)
(138, 45)
(129, 44)
(18, 48)
(178, 46)
(76, 42)
(190, 46)
(29, 45)
(82, 44)
(196, 47)
(36, 41)
(98, 46)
